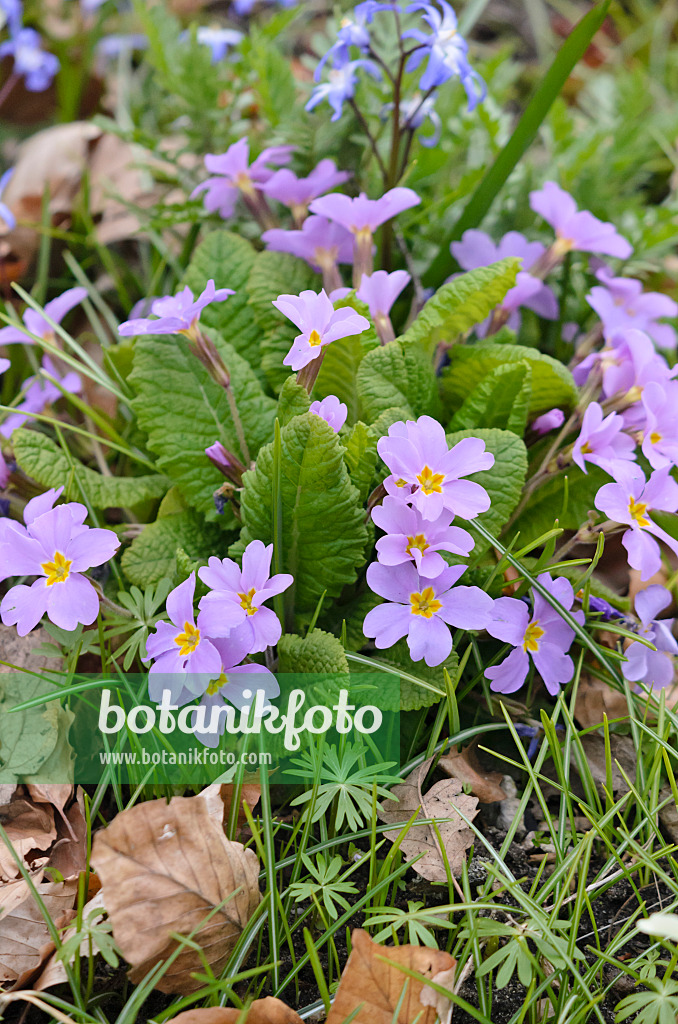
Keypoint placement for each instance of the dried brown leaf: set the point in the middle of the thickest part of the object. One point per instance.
(465, 766)
(165, 868)
(596, 698)
(25, 940)
(219, 798)
(443, 800)
(29, 828)
(261, 1011)
(372, 984)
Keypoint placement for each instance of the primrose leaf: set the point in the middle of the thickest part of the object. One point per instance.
(504, 481)
(501, 399)
(398, 374)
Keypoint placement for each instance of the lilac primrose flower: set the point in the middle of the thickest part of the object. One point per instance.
(40, 393)
(628, 361)
(545, 637)
(37, 323)
(234, 607)
(341, 86)
(178, 314)
(183, 655)
(380, 290)
(422, 609)
(652, 668)
(410, 538)
(630, 500)
(548, 421)
(4, 474)
(319, 323)
(55, 546)
(660, 435)
(37, 67)
(447, 53)
(5, 212)
(620, 302)
(332, 411)
(428, 474)
(297, 193)
(238, 685)
(233, 174)
(601, 440)
(574, 228)
(476, 249)
(362, 216)
(320, 242)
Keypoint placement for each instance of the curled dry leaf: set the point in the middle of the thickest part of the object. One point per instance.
(443, 801)
(219, 798)
(371, 985)
(596, 698)
(169, 868)
(29, 828)
(443, 1006)
(465, 766)
(25, 940)
(261, 1011)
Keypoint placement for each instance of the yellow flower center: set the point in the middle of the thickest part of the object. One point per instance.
(244, 183)
(216, 685)
(401, 483)
(363, 235)
(314, 338)
(425, 604)
(533, 634)
(188, 640)
(58, 570)
(418, 541)
(638, 510)
(655, 438)
(586, 448)
(246, 601)
(430, 482)
(562, 245)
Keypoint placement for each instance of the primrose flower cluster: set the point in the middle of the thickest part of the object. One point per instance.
(204, 656)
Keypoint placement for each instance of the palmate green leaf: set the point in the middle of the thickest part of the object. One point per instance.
(153, 554)
(398, 374)
(228, 259)
(323, 522)
(564, 501)
(504, 481)
(43, 460)
(501, 399)
(461, 304)
(274, 274)
(183, 411)
(552, 383)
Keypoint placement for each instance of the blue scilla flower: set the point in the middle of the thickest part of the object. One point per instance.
(37, 66)
(353, 31)
(341, 86)
(446, 50)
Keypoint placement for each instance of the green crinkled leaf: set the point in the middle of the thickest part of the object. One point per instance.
(398, 374)
(323, 529)
(318, 652)
(552, 383)
(274, 274)
(504, 481)
(228, 259)
(153, 554)
(501, 399)
(547, 503)
(43, 460)
(183, 411)
(339, 373)
(293, 400)
(461, 304)
(361, 457)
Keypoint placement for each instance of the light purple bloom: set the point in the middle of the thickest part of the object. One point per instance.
(362, 216)
(574, 228)
(447, 53)
(544, 636)
(37, 324)
(233, 174)
(660, 434)
(428, 474)
(341, 86)
(236, 685)
(548, 421)
(5, 212)
(13, 11)
(380, 290)
(219, 40)
(40, 393)
(352, 32)
(476, 249)
(55, 546)
(628, 360)
(630, 500)
(297, 193)
(37, 67)
(234, 607)
(601, 440)
(4, 365)
(652, 668)
(620, 302)
(183, 654)
(410, 538)
(320, 242)
(111, 47)
(422, 609)
(332, 411)
(178, 314)
(319, 323)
